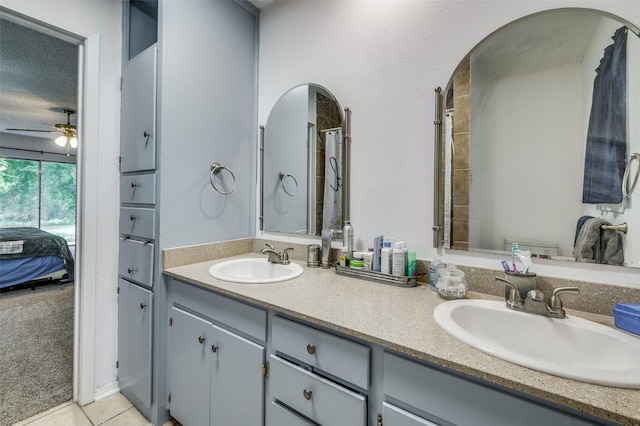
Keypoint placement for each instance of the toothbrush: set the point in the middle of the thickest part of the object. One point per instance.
(505, 265)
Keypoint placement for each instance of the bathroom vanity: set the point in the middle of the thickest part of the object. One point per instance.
(331, 349)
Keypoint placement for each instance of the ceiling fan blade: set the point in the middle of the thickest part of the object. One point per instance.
(33, 130)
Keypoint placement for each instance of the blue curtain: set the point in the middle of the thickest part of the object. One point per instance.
(606, 151)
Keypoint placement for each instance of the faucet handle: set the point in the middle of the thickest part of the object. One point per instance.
(555, 303)
(514, 294)
(285, 254)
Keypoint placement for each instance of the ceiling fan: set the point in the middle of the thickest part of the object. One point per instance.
(68, 130)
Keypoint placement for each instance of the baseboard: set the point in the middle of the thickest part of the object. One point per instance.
(106, 391)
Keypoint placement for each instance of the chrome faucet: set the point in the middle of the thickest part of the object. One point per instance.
(534, 302)
(275, 257)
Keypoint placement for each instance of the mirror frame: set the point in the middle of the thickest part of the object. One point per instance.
(345, 118)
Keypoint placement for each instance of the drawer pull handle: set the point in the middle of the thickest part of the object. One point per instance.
(134, 184)
(307, 394)
(143, 305)
(132, 270)
(214, 348)
(200, 339)
(311, 349)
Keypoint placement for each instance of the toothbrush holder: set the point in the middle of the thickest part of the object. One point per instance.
(525, 282)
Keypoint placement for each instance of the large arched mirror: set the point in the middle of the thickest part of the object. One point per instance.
(305, 163)
(539, 131)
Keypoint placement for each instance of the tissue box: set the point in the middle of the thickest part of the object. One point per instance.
(627, 317)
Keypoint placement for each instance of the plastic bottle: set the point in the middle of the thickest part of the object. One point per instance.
(411, 259)
(347, 238)
(398, 259)
(386, 256)
(434, 267)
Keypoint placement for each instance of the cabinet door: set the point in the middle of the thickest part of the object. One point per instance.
(394, 416)
(134, 341)
(189, 349)
(237, 383)
(138, 118)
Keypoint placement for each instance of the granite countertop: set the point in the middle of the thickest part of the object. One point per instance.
(401, 319)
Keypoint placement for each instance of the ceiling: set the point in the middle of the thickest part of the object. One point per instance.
(38, 80)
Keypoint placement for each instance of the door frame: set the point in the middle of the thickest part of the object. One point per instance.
(86, 200)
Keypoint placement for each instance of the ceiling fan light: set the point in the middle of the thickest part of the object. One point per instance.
(73, 141)
(61, 140)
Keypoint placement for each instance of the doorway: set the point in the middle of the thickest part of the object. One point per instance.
(40, 82)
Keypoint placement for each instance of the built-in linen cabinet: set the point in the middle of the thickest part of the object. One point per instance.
(216, 358)
(138, 228)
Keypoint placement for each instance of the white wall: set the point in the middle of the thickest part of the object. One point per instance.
(101, 22)
(383, 59)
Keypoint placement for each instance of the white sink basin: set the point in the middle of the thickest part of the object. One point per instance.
(573, 347)
(254, 271)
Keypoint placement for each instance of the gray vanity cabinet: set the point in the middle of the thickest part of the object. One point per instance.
(216, 374)
(446, 398)
(135, 307)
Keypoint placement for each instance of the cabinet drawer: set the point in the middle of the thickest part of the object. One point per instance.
(394, 416)
(138, 189)
(335, 355)
(461, 401)
(136, 261)
(138, 222)
(242, 317)
(315, 397)
(279, 416)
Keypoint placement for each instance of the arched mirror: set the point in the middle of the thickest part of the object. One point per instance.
(540, 132)
(305, 163)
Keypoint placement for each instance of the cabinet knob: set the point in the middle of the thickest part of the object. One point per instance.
(311, 349)
(132, 217)
(146, 134)
(134, 184)
(307, 394)
(132, 270)
(200, 339)
(214, 348)
(143, 305)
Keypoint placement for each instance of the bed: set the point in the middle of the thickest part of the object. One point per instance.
(30, 255)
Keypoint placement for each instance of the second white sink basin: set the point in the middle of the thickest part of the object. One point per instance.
(254, 271)
(573, 348)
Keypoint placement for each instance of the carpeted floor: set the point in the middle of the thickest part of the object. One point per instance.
(36, 350)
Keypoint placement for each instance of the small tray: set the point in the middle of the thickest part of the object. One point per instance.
(627, 317)
(377, 277)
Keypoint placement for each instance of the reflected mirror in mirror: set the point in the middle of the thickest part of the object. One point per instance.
(302, 173)
(541, 124)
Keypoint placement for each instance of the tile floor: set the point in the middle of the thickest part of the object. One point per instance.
(115, 410)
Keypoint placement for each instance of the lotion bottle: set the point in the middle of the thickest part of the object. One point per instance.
(386, 255)
(399, 259)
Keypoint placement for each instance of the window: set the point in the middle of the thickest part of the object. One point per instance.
(39, 194)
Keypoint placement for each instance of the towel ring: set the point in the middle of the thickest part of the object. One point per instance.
(625, 178)
(283, 176)
(217, 168)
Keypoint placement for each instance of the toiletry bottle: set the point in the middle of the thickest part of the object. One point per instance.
(398, 259)
(434, 267)
(411, 268)
(343, 256)
(386, 255)
(347, 238)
